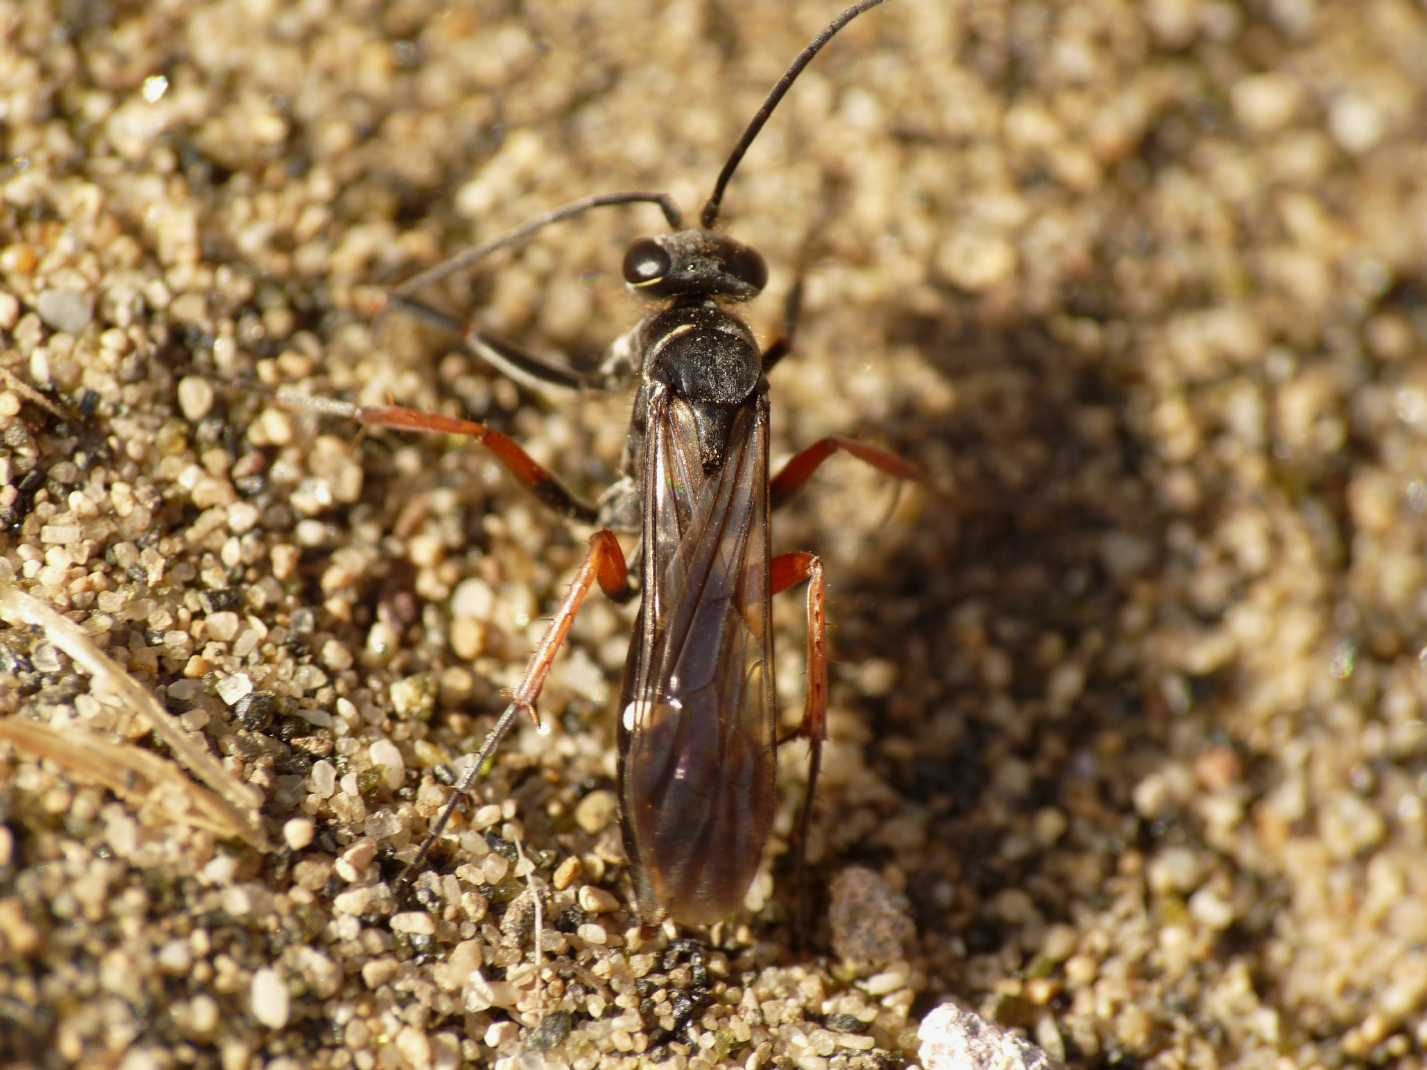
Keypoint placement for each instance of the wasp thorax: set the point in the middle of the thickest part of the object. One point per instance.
(704, 353)
(695, 263)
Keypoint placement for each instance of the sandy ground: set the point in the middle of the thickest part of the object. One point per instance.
(1129, 709)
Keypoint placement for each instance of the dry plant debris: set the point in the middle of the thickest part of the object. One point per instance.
(232, 812)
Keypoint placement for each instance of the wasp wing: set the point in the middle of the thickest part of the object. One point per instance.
(697, 720)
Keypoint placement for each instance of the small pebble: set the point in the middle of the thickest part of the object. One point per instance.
(566, 873)
(594, 900)
(596, 810)
(355, 901)
(65, 310)
(61, 534)
(353, 862)
(298, 832)
(243, 517)
(870, 923)
(1356, 122)
(592, 933)
(378, 973)
(414, 1046)
(322, 779)
(1176, 870)
(219, 870)
(473, 599)
(175, 957)
(203, 1015)
(952, 1038)
(270, 1000)
(234, 687)
(880, 984)
(1211, 908)
(413, 697)
(468, 638)
(195, 397)
(413, 923)
(1265, 102)
(501, 1035)
(223, 628)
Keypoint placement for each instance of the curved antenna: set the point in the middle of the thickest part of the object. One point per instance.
(709, 215)
(465, 259)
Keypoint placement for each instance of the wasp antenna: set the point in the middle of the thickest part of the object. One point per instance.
(709, 215)
(463, 260)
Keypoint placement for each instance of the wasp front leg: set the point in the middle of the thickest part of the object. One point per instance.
(527, 471)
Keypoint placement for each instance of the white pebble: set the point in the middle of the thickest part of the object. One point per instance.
(175, 957)
(322, 779)
(500, 1035)
(1175, 870)
(195, 397)
(353, 862)
(203, 1015)
(223, 628)
(298, 832)
(594, 900)
(1265, 102)
(474, 599)
(387, 758)
(881, 984)
(65, 310)
(1210, 908)
(414, 1045)
(481, 994)
(270, 998)
(355, 901)
(61, 534)
(1356, 123)
(951, 1038)
(220, 870)
(413, 923)
(242, 517)
(336, 656)
(487, 816)
(235, 687)
(592, 933)
(382, 825)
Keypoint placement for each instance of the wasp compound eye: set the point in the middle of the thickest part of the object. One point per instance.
(645, 262)
(747, 265)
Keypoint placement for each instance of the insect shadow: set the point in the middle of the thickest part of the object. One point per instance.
(697, 720)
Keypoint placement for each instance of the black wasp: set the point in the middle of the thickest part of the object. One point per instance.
(697, 718)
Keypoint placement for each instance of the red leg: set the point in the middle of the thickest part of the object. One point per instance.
(784, 571)
(802, 466)
(789, 570)
(512, 458)
(604, 563)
